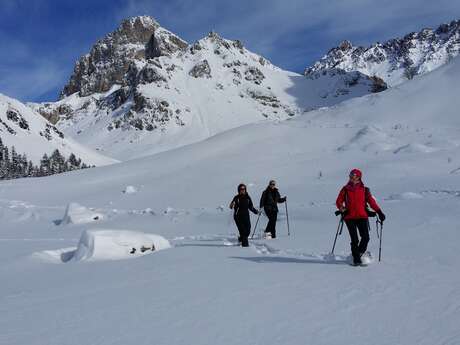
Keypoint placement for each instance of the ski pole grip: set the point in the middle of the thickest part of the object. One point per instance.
(337, 213)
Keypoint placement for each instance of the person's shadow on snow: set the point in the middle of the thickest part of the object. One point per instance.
(287, 260)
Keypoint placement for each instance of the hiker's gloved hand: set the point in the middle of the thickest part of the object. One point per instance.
(381, 216)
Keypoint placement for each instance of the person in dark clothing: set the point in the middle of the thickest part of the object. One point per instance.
(352, 203)
(269, 202)
(242, 204)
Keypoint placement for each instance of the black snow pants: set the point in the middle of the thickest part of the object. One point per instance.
(271, 225)
(243, 222)
(358, 247)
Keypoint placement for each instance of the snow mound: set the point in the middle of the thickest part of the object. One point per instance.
(130, 190)
(98, 245)
(55, 256)
(78, 214)
(371, 139)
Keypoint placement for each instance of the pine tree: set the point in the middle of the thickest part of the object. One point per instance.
(31, 170)
(14, 165)
(73, 162)
(45, 166)
(4, 163)
(57, 162)
(1, 150)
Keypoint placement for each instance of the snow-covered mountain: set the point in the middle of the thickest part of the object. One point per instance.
(397, 60)
(31, 134)
(142, 90)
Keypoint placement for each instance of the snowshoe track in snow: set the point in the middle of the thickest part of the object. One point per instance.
(295, 256)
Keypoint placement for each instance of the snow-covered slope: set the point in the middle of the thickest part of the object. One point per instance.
(143, 90)
(397, 60)
(288, 291)
(31, 134)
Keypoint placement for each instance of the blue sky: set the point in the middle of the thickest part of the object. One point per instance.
(40, 40)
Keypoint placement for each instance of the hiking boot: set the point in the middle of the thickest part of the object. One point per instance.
(357, 261)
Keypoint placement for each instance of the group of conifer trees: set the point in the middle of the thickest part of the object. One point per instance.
(15, 165)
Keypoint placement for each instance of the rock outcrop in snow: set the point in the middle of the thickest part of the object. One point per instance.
(396, 60)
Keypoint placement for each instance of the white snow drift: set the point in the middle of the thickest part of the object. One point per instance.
(130, 190)
(78, 214)
(106, 244)
(116, 244)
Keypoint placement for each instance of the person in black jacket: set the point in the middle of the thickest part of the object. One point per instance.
(242, 204)
(269, 202)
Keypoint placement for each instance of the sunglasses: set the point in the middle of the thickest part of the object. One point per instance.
(272, 184)
(242, 188)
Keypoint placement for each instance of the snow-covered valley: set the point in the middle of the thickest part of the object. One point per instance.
(207, 290)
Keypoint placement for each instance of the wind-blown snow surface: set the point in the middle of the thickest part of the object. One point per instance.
(206, 290)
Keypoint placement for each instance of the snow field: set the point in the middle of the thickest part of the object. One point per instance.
(289, 291)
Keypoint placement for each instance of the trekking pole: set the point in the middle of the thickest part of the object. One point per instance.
(287, 218)
(381, 232)
(339, 229)
(369, 228)
(257, 222)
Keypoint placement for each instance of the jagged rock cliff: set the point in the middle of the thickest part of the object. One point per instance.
(397, 60)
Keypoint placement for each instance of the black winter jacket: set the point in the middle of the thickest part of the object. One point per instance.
(270, 199)
(242, 204)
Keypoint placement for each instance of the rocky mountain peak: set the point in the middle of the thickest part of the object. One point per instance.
(135, 30)
(345, 45)
(136, 39)
(396, 60)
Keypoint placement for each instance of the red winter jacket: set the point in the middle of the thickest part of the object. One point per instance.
(355, 199)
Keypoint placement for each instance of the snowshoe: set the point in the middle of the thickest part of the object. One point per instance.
(367, 258)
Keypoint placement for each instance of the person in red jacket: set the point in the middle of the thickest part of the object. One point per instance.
(352, 202)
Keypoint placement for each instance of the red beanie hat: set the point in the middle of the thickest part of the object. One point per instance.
(356, 172)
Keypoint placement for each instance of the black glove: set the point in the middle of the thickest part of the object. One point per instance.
(342, 212)
(381, 216)
(283, 199)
